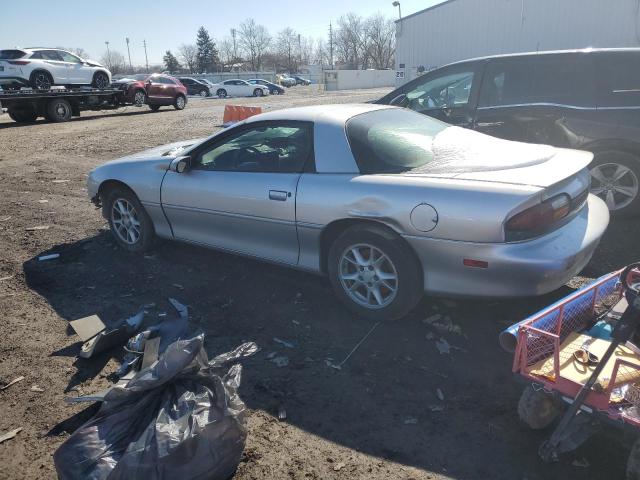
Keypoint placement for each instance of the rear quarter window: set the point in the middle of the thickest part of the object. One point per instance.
(12, 54)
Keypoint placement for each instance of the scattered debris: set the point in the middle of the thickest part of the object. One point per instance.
(10, 435)
(12, 382)
(339, 366)
(60, 181)
(440, 394)
(280, 361)
(295, 322)
(583, 463)
(37, 227)
(5, 219)
(410, 421)
(283, 342)
(436, 408)
(432, 318)
(36, 388)
(328, 362)
(443, 346)
(8, 277)
(43, 201)
(87, 327)
(271, 355)
(282, 413)
(51, 256)
(339, 466)
(105, 339)
(178, 286)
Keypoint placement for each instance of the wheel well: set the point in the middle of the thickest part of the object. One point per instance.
(108, 185)
(100, 71)
(624, 146)
(38, 70)
(333, 230)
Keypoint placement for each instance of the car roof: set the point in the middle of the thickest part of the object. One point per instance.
(333, 114)
(543, 53)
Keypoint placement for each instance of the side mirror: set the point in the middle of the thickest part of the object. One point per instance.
(180, 164)
(399, 101)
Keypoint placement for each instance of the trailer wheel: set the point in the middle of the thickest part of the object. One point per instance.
(59, 110)
(23, 115)
(537, 409)
(633, 463)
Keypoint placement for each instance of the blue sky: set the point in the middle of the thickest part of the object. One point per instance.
(165, 24)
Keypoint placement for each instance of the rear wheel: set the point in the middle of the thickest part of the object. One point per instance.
(100, 80)
(615, 178)
(23, 115)
(537, 409)
(41, 80)
(179, 103)
(130, 225)
(374, 273)
(222, 93)
(59, 110)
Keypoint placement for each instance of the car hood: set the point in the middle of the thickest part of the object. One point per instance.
(163, 152)
(93, 63)
(468, 155)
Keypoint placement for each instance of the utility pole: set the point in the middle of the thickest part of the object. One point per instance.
(146, 59)
(331, 46)
(129, 52)
(108, 54)
(235, 52)
(299, 50)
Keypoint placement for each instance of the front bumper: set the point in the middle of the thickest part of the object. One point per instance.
(528, 268)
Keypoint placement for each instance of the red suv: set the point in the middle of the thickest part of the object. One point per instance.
(155, 90)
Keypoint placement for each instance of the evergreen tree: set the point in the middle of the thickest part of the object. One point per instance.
(207, 57)
(171, 62)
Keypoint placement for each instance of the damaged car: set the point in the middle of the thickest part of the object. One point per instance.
(388, 203)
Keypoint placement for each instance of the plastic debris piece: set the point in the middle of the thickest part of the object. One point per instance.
(8, 277)
(87, 327)
(443, 346)
(9, 435)
(37, 227)
(271, 355)
(13, 382)
(60, 181)
(436, 408)
(283, 342)
(338, 466)
(410, 421)
(583, 463)
(43, 200)
(51, 256)
(280, 361)
(36, 388)
(440, 394)
(432, 318)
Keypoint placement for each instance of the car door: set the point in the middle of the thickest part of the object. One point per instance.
(448, 94)
(245, 89)
(54, 64)
(155, 92)
(78, 73)
(539, 98)
(230, 87)
(240, 193)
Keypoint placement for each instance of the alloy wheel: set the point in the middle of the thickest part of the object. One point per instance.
(203, 93)
(102, 81)
(180, 102)
(138, 98)
(614, 183)
(126, 223)
(42, 81)
(368, 276)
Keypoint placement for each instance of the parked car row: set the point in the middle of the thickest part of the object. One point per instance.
(583, 99)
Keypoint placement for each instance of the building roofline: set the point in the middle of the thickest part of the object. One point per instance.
(432, 7)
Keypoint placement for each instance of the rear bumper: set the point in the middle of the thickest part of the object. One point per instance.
(520, 269)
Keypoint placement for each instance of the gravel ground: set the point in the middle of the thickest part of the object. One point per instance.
(371, 420)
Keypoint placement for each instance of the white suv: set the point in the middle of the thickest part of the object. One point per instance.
(41, 68)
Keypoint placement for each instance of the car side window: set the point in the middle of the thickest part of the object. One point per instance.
(37, 55)
(448, 90)
(555, 79)
(618, 79)
(274, 147)
(166, 81)
(229, 82)
(67, 57)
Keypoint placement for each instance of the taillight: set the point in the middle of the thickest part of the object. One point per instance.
(18, 62)
(539, 219)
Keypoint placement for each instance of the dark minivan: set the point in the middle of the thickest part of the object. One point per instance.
(583, 99)
(195, 87)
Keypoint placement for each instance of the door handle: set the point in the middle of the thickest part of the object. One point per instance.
(489, 124)
(278, 195)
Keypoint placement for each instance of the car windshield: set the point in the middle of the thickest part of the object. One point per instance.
(392, 140)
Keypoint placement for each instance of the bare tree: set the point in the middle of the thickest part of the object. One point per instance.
(226, 51)
(188, 53)
(286, 48)
(350, 41)
(380, 35)
(306, 50)
(254, 40)
(114, 61)
(320, 53)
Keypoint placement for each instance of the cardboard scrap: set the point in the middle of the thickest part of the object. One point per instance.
(10, 435)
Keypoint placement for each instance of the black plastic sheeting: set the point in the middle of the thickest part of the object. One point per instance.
(179, 418)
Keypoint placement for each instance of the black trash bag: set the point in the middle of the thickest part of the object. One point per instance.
(179, 418)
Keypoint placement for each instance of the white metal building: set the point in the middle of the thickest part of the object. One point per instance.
(461, 29)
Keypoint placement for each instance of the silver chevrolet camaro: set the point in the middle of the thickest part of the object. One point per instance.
(387, 202)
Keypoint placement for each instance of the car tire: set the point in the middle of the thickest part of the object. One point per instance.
(615, 178)
(23, 115)
(154, 108)
(180, 102)
(258, 92)
(41, 80)
(537, 409)
(59, 110)
(382, 281)
(129, 222)
(139, 98)
(222, 93)
(203, 93)
(100, 80)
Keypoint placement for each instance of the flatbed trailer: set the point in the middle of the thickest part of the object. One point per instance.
(58, 104)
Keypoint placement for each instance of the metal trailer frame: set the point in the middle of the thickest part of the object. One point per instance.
(58, 104)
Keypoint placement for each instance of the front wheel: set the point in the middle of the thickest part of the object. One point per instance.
(257, 92)
(140, 98)
(203, 93)
(222, 93)
(100, 80)
(130, 225)
(179, 103)
(41, 80)
(374, 273)
(615, 178)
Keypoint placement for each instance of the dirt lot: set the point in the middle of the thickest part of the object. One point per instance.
(372, 419)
